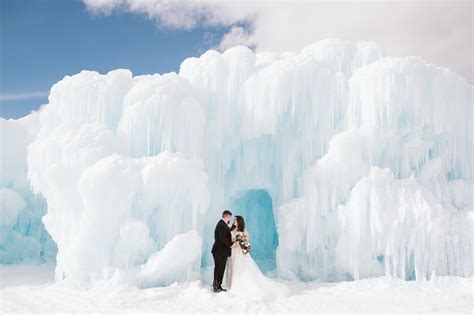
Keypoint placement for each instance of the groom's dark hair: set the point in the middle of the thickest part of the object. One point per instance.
(226, 212)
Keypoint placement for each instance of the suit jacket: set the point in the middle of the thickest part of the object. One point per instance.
(222, 240)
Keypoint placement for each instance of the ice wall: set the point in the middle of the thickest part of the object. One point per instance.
(393, 194)
(405, 228)
(22, 234)
(109, 211)
(364, 157)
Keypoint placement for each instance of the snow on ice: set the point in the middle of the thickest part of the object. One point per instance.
(360, 165)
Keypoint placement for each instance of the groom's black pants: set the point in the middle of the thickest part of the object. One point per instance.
(219, 268)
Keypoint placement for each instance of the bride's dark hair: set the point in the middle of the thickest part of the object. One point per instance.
(240, 222)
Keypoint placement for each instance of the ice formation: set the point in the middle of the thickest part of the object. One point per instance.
(22, 234)
(346, 164)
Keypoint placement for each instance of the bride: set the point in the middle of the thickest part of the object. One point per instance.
(243, 276)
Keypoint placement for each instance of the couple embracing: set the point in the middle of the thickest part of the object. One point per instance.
(231, 249)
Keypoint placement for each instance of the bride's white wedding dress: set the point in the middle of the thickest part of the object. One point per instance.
(245, 278)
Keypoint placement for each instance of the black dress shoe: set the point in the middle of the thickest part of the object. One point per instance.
(216, 290)
(222, 289)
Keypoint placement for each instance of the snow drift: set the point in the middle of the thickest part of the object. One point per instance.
(367, 161)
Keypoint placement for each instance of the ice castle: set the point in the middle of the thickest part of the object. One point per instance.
(345, 163)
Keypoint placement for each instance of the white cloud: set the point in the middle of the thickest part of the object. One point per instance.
(103, 6)
(23, 96)
(238, 35)
(177, 14)
(438, 31)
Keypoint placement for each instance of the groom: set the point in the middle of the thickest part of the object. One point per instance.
(221, 249)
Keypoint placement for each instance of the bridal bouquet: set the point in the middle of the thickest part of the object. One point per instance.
(242, 240)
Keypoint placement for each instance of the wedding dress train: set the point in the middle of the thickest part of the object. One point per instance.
(245, 278)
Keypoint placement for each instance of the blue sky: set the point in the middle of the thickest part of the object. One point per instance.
(44, 40)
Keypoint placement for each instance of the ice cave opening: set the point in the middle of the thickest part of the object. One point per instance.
(256, 206)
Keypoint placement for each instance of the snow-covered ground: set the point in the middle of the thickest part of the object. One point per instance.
(30, 288)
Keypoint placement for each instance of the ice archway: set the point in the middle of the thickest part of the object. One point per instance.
(368, 160)
(256, 206)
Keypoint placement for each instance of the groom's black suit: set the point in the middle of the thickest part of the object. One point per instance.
(220, 251)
